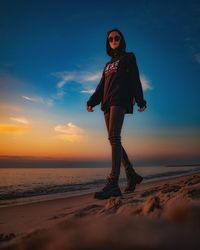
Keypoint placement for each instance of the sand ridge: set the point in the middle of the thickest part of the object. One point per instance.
(162, 214)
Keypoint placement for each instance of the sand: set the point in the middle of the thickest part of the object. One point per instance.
(162, 214)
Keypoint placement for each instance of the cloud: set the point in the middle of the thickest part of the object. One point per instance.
(77, 76)
(8, 88)
(69, 128)
(65, 77)
(33, 99)
(84, 78)
(146, 84)
(69, 132)
(88, 91)
(13, 128)
(89, 77)
(49, 102)
(19, 120)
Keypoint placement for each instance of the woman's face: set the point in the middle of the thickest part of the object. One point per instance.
(114, 39)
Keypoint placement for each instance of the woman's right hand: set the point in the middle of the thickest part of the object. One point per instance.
(141, 109)
(90, 109)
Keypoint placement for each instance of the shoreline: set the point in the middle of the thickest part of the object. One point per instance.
(155, 200)
(62, 195)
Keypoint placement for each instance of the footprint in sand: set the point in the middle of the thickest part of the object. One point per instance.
(150, 192)
(174, 188)
(192, 181)
(194, 193)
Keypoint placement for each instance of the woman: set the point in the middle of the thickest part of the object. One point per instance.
(118, 90)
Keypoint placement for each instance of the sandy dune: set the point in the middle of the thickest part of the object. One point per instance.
(162, 214)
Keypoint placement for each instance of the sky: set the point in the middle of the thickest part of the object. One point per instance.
(52, 54)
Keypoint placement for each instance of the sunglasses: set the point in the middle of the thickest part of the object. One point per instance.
(116, 38)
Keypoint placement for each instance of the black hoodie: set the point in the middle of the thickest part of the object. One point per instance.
(120, 83)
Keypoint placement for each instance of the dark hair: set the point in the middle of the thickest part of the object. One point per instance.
(120, 48)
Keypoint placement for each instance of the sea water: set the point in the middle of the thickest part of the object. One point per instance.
(25, 185)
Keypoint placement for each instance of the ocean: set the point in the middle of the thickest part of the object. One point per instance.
(26, 185)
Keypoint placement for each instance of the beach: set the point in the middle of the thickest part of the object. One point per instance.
(159, 214)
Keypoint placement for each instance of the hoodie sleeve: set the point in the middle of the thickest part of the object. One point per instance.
(97, 96)
(135, 81)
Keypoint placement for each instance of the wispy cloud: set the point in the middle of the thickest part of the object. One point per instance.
(88, 91)
(77, 76)
(19, 120)
(70, 132)
(69, 128)
(49, 102)
(64, 78)
(8, 85)
(146, 84)
(13, 128)
(91, 77)
(84, 78)
(33, 99)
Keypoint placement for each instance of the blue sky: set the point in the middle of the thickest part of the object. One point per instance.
(52, 57)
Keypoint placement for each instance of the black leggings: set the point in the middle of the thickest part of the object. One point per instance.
(114, 121)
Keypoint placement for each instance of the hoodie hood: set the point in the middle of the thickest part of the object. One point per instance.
(120, 49)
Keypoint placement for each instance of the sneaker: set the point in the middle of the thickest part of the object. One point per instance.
(132, 181)
(111, 189)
